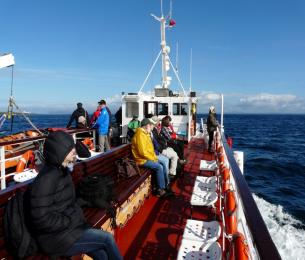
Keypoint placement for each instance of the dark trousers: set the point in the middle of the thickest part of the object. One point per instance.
(211, 137)
(97, 244)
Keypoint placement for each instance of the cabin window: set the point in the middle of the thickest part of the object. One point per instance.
(132, 109)
(162, 109)
(150, 108)
(179, 109)
(183, 109)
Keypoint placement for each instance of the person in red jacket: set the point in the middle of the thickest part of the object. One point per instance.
(95, 115)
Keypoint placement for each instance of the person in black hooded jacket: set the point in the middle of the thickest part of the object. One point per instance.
(57, 220)
(77, 114)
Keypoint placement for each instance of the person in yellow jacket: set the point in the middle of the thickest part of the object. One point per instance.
(143, 152)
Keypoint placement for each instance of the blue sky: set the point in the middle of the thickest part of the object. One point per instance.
(67, 51)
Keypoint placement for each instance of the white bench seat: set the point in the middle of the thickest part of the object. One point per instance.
(202, 231)
(195, 250)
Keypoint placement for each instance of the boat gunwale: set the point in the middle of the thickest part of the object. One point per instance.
(262, 240)
(37, 138)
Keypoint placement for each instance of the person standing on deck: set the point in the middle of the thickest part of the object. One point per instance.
(102, 124)
(58, 223)
(78, 115)
(143, 152)
(95, 116)
(211, 126)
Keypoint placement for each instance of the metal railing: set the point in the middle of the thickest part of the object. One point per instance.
(26, 143)
(261, 237)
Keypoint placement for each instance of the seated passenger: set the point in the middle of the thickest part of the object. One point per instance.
(164, 149)
(58, 223)
(177, 145)
(132, 126)
(143, 152)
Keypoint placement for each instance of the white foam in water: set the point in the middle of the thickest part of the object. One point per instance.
(289, 240)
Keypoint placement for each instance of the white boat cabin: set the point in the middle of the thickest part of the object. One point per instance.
(181, 108)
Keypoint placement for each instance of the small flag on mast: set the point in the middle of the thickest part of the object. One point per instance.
(172, 22)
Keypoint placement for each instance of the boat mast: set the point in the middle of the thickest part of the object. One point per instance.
(165, 59)
(164, 48)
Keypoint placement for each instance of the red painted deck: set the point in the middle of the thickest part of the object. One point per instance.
(156, 230)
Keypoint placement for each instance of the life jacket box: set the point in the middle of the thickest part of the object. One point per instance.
(161, 92)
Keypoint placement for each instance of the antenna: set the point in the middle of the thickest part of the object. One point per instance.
(177, 50)
(191, 65)
(170, 9)
(161, 8)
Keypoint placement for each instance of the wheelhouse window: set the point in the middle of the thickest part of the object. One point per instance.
(183, 109)
(162, 109)
(150, 108)
(179, 109)
(132, 109)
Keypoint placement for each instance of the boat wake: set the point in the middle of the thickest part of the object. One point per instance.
(287, 233)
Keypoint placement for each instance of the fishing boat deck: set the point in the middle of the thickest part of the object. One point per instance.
(155, 232)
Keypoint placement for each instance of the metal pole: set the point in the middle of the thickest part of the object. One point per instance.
(151, 69)
(164, 52)
(191, 64)
(2, 163)
(221, 121)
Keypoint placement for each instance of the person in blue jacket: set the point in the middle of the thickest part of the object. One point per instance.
(102, 124)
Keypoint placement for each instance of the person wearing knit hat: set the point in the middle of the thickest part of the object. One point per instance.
(79, 112)
(211, 126)
(143, 152)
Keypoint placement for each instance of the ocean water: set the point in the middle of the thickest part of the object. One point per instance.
(274, 167)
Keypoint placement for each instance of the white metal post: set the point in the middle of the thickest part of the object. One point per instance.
(221, 121)
(164, 53)
(2, 163)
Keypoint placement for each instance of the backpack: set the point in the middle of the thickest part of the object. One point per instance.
(16, 231)
(127, 168)
(97, 191)
(82, 150)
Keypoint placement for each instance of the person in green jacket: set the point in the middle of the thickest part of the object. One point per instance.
(132, 126)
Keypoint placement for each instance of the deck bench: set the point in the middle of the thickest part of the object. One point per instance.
(130, 193)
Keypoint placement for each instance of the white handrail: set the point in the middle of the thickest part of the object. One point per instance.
(221, 119)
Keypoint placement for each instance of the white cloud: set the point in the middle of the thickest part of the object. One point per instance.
(256, 103)
(233, 103)
(273, 103)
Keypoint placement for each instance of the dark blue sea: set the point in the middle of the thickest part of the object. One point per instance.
(274, 167)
